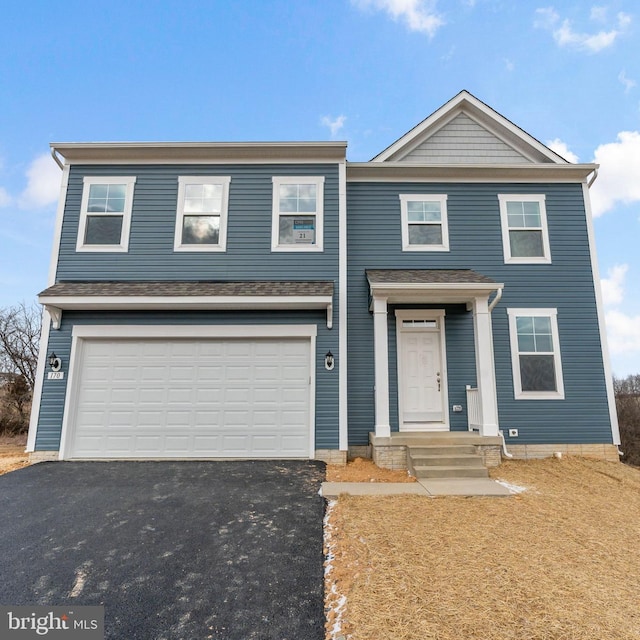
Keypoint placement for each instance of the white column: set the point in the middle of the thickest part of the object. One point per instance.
(485, 368)
(381, 355)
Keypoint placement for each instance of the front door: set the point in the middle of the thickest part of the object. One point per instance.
(421, 377)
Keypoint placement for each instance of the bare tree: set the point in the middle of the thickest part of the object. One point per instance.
(627, 391)
(19, 341)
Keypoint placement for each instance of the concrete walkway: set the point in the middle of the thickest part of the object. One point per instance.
(427, 487)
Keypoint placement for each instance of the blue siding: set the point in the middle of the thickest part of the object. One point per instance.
(475, 235)
(53, 392)
(151, 255)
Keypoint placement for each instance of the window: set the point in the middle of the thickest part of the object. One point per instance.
(525, 237)
(105, 214)
(297, 214)
(535, 354)
(201, 221)
(424, 222)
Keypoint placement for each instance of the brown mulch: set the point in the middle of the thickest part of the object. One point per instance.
(363, 470)
(12, 455)
(559, 561)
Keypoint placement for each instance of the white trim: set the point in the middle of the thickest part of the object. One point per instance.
(57, 233)
(39, 381)
(343, 419)
(81, 333)
(123, 246)
(191, 331)
(423, 314)
(606, 359)
(519, 394)
(223, 181)
(381, 367)
(187, 303)
(317, 246)
(441, 199)
(544, 229)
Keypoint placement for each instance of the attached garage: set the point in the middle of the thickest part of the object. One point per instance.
(191, 392)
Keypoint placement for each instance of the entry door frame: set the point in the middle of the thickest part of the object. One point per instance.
(437, 315)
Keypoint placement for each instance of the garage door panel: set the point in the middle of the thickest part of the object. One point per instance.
(192, 398)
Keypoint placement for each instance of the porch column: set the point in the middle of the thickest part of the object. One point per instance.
(485, 368)
(381, 356)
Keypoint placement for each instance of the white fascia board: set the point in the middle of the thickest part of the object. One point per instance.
(343, 417)
(188, 303)
(432, 292)
(416, 172)
(199, 152)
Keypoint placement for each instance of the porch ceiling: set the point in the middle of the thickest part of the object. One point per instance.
(422, 286)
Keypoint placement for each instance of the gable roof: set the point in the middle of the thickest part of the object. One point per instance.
(467, 131)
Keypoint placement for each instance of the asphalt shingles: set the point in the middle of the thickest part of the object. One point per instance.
(173, 550)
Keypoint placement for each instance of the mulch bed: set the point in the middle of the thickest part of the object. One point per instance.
(559, 561)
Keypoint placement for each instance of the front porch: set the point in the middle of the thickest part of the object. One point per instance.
(448, 453)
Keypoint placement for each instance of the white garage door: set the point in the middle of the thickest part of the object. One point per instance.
(192, 399)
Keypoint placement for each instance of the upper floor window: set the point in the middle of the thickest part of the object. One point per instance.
(424, 222)
(525, 237)
(535, 354)
(297, 214)
(105, 214)
(201, 221)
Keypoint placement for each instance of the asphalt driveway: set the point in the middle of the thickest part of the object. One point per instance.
(173, 550)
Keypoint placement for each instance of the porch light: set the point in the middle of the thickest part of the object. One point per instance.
(329, 361)
(54, 362)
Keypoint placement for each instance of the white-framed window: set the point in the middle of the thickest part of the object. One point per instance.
(201, 220)
(525, 236)
(424, 222)
(298, 207)
(535, 354)
(105, 213)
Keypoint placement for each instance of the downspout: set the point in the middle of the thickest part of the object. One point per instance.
(492, 306)
(593, 179)
(54, 155)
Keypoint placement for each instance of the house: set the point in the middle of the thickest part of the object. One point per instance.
(273, 300)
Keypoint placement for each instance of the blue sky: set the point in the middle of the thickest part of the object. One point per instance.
(365, 71)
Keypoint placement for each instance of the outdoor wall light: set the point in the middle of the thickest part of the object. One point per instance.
(54, 362)
(329, 361)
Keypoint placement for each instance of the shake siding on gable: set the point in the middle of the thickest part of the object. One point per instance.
(463, 140)
(374, 242)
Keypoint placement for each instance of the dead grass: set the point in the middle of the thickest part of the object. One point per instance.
(12, 455)
(560, 561)
(363, 470)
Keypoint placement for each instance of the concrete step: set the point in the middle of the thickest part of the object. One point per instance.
(442, 438)
(452, 460)
(449, 472)
(442, 450)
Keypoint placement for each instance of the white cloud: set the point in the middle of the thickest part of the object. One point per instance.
(627, 82)
(599, 14)
(5, 198)
(509, 65)
(623, 332)
(418, 15)
(43, 183)
(562, 149)
(613, 286)
(565, 35)
(619, 173)
(334, 125)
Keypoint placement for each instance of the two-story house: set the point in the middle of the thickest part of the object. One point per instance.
(273, 300)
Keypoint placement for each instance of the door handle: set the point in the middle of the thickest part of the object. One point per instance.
(438, 380)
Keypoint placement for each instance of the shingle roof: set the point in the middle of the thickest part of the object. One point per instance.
(166, 288)
(426, 276)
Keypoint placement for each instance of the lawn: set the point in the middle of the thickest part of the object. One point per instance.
(558, 561)
(12, 455)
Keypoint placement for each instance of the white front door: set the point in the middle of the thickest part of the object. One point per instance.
(421, 376)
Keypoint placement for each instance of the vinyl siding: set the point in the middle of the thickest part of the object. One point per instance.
(374, 242)
(53, 392)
